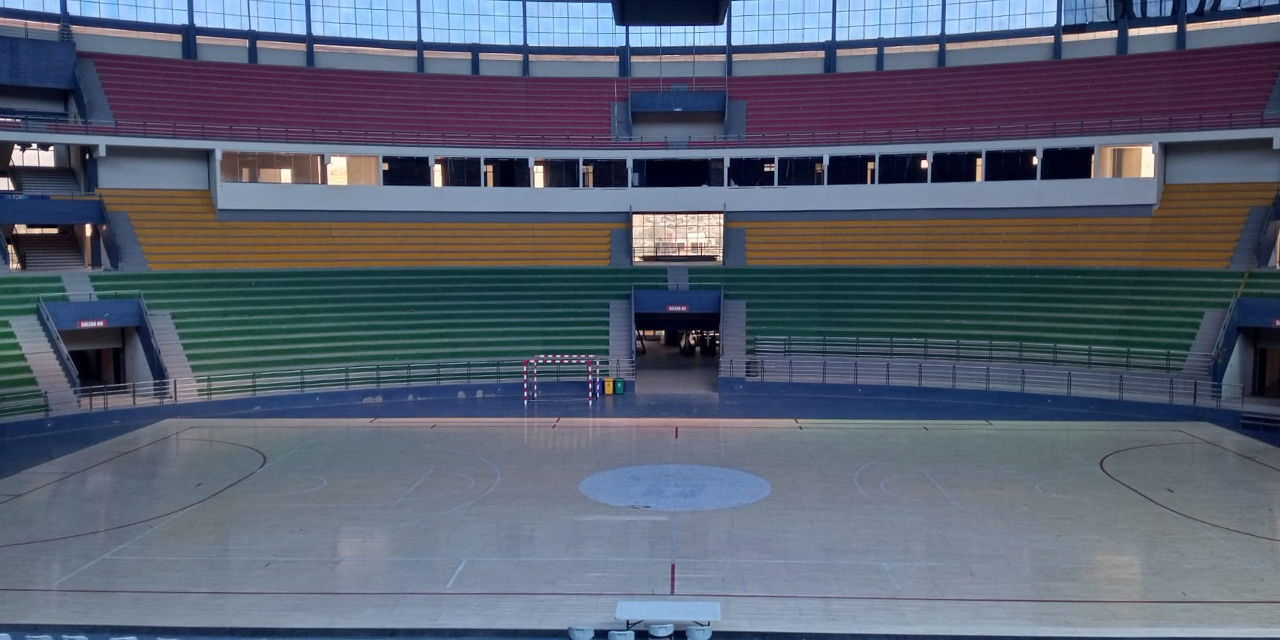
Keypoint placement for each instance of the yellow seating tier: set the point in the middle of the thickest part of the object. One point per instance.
(181, 230)
(1195, 225)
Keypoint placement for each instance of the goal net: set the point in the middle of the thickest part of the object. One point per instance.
(556, 362)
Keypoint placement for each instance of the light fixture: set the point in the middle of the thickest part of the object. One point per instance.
(924, 163)
(1035, 160)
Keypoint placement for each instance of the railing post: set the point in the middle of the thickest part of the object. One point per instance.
(790, 371)
(469, 373)
(1089, 356)
(855, 373)
(1022, 382)
(175, 390)
(953, 376)
(1170, 390)
(408, 375)
(1068, 383)
(988, 378)
(45, 396)
(1122, 386)
(208, 387)
(886, 365)
(134, 389)
(824, 366)
(302, 380)
(346, 377)
(919, 374)
(1195, 392)
(377, 376)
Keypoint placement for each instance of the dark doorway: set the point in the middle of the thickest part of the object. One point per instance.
(677, 353)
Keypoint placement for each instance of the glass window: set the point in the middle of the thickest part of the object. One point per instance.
(276, 168)
(851, 170)
(279, 16)
(751, 172)
(1137, 161)
(1072, 163)
(1014, 164)
(604, 174)
(677, 236)
(684, 172)
(800, 171)
(369, 19)
(352, 170)
(780, 21)
(904, 168)
(573, 24)
(677, 36)
(399, 171)
(957, 166)
(457, 172)
(473, 21)
(971, 16)
(506, 172)
(221, 14)
(46, 6)
(868, 19)
(555, 173)
(157, 11)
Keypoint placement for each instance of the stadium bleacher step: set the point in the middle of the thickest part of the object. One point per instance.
(1204, 342)
(50, 377)
(1247, 246)
(622, 338)
(733, 332)
(131, 257)
(171, 351)
(48, 251)
(78, 286)
(45, 180)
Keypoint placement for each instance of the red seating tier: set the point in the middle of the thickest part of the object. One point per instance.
(1184, 89)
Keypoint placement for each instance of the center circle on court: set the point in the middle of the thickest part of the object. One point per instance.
(675, 487)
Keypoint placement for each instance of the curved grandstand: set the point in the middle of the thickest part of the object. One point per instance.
(957, 211)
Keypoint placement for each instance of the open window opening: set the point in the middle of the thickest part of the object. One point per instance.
(677, 237)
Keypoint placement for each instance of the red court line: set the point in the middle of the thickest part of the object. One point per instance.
(629, 594)
(92, 466)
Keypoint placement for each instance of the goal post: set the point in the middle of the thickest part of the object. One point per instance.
(591, 362)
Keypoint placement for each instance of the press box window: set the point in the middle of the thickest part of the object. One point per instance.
(604, 174)
(456, 172)
(906, 168)
(352, 170)
(752, 172)
(1136, 161)
(506, 172)
(406, 172)
(800, 171)
(1068, 163)
(1017, 164)
(274, 168)
(851, 170)
(555, 173)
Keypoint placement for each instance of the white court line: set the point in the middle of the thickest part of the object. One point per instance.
(129, 542)
(857, 482)
(942, 489)
(897, 588)
(408, 491)
(455, 573)
(661, 561)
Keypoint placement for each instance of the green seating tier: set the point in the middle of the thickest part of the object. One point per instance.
(18, 294)
(1126, 308)
(238, 321)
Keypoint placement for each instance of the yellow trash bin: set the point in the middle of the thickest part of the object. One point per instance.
(608, 386)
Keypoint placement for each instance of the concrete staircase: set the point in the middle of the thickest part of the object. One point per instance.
(45, 180)
(733, 336)
(1243, 257)
(131, 256)
(78, 286)
(1204, 342)
(40, 355)
(622, 340)
(171, 352)
(48, 251)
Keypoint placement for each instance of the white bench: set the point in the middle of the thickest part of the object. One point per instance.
(634, 612)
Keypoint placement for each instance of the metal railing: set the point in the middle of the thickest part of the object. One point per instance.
(267, 383)
(1092, 384)
(1268, 237)
(201, 131)
(1171, 362)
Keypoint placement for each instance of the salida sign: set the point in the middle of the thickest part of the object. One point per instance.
(677, 308)
(92, 324)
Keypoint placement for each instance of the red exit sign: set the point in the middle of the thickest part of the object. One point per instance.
(683, 308)
(92, 324)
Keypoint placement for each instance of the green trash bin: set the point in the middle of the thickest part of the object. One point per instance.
(618, 386)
